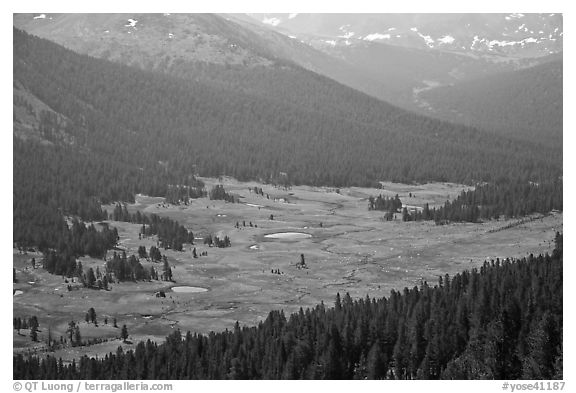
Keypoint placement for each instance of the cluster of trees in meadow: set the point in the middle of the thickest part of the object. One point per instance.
(31, 323)
(217, 242)
(492, 201)
(129, 268)
(170, 233)
(501, 321)
(385, 203)
(73, 336)
(25, 323)
(118, 268)
(218, 192)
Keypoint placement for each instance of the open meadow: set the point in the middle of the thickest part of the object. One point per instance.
(346, 248)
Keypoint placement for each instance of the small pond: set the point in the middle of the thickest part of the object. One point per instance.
(188, 289)
(288, 235)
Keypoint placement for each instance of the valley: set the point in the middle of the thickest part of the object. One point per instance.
(349, 250)
(287, 196)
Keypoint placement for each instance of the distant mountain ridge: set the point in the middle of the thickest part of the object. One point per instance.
(151, 41)
(485, 70)
(168, 42)
(515, 35)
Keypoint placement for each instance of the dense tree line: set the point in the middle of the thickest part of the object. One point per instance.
(87, 240)
(74, 241)
(53, 181)
(219, 193)
(170, 233)
(501, 321)
(177, 194)
(491, 201)
(64, 264)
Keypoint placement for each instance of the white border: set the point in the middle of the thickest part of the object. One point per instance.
(357, 6)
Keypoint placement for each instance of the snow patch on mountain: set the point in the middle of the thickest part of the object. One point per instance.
(376, 36)
(447, 39)
(347, 35)
(427, 39)
(272, 21)
(476, 41)
(494, 43)
(41, 16)
(131, 23)
(523, 42)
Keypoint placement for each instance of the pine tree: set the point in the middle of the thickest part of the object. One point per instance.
(90, 278)
(77, 336)
(34, 333)
(167, 271)
(92, 315)
(124, 333)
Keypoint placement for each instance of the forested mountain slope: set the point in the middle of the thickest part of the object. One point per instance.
(170, 42)
(199, 46)
(525, 104)
(315, 130)
(502, 321)
(138, 131)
